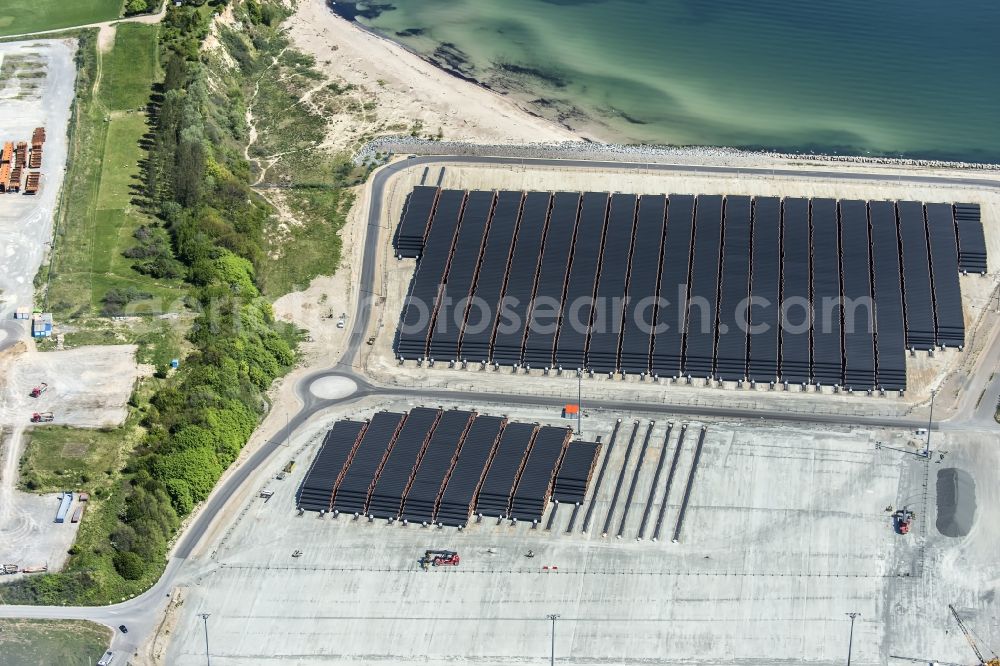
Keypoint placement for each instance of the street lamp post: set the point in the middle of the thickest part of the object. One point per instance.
(579, 403)
(552, 653)
(930, 422)
(204, 621)
(850, 641)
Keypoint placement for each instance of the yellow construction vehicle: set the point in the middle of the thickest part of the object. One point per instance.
(994, 661)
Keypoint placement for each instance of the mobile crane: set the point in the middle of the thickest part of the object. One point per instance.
(993, 661)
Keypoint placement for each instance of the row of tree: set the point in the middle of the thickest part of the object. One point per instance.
(197, 185)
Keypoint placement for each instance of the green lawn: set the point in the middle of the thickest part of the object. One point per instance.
(130, 68)
(60, 458)
(52, 642)
(101, 207)
(20, 16)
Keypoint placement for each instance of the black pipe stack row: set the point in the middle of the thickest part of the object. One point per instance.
(575, 472)
(971, 242)
(432, 466)
(415, 222)
(731, 288)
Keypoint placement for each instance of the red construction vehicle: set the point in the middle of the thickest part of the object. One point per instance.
(440, 558)
(39, 390)
(42, 417)
(901, 520)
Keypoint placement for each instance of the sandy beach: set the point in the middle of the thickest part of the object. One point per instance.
(406, 89)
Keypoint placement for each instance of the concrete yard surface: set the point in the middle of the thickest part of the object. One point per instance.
(787, 530)
(27, 101)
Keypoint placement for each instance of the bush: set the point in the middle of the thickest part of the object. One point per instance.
(116, 300)
(129, 565)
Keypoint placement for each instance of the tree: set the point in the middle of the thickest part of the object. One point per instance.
(136, 6)
(129, 565)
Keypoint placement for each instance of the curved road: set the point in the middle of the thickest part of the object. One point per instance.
(143, 613)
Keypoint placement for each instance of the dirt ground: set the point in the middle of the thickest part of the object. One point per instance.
(26, 221)
(87, 387)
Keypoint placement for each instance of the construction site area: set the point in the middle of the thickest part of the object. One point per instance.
(88, 387)
(768, 535)
(36, 92)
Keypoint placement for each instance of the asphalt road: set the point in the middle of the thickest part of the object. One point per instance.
(142, 614)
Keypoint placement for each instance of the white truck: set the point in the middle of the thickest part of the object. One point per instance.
(106, 660)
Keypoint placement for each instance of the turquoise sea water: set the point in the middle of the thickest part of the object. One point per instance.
(919, 78)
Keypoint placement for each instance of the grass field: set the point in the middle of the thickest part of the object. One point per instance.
(59, 458)
(101, 205)
(52, 642)
(21, 16)
(130, 68)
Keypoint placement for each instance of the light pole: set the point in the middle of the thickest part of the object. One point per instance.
(850, 641)
(552, 653)
(930, 422)
(579, 402)
(204, 621)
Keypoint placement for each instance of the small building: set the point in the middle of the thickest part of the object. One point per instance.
(23, 312)
(41, 325)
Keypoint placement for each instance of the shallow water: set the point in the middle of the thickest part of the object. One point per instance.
(916, 78)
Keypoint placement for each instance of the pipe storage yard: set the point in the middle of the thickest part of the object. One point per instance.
(755, 289)
(430, 466)
(771, 521)
(435, 467)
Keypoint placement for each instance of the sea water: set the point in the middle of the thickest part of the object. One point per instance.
(915, 78)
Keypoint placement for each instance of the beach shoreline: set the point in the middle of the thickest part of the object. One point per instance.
(589, 128)
(475, 118)
(406, 92)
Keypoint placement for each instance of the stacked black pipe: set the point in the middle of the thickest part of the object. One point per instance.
(493, 270)
(602, 348)
(521, 278)
(731, 345)
(828, 353)
(495, 492)
(534, 487)
(416, 219)
(796, 343)
(432, 271)
(765, 286)
(675, 276)
(352, 493)
(859, 341)
(699, 345)
(948, 317)
(539, 346)
(420, 500)
(467, 476)
(917, 293)
(387, 496)
(450, 317)
(698, 286)
(890, 341)
(581, 282)
(971, 242)
(575, 471)
(316, 492)
(643, 284)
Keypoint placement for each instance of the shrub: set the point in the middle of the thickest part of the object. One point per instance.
(129, 565)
